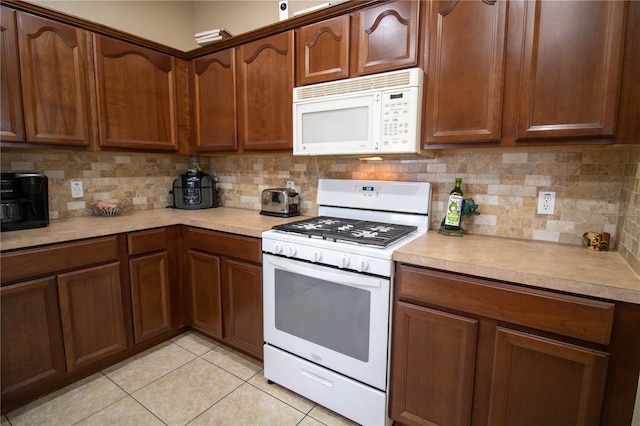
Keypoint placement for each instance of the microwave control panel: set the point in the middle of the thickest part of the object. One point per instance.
(400, 120)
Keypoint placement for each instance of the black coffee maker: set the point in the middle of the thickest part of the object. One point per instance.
(24, 201)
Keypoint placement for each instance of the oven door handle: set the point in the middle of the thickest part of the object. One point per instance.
(325, 273)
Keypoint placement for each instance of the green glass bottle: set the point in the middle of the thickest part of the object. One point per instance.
(454, 208)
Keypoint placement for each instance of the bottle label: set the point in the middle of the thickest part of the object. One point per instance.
(454, 210)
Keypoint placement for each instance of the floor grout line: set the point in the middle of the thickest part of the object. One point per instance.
(229, 357)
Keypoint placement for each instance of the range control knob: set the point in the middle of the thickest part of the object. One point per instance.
(317, 256)
(363, 265)
(291, 251)
(277, 248)
(344, 261)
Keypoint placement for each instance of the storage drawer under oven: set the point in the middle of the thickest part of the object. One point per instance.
(352, 399)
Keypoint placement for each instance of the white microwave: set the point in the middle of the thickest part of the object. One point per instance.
(371, 115)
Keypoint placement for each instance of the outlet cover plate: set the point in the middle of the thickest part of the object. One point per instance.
(546, 202)
(76, 189)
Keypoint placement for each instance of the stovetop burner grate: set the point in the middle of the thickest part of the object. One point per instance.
(352, 230)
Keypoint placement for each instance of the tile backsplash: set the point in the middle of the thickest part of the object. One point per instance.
(596, 189)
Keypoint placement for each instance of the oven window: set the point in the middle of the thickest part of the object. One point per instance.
(331, 315)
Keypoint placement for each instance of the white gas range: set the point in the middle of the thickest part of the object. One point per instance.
(327, 284)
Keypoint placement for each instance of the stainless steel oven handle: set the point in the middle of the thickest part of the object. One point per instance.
(346, 278)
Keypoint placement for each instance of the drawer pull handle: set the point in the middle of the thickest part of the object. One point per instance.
(317, 378)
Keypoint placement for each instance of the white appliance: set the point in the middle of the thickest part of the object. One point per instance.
(371, 115)
(327, 293)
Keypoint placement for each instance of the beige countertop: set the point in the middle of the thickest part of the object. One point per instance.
(563, 267)
(570, 268)
(237, 221)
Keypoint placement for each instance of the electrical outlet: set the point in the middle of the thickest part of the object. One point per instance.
(290, 184)
(546, 202)
(76, 189)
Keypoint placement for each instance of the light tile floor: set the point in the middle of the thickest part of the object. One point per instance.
(189, 380)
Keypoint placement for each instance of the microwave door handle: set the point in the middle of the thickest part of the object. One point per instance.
(349, 279)
(377, 130)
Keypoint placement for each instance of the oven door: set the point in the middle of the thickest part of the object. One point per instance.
(333, 318)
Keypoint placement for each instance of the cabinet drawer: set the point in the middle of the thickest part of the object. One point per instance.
(147, 241)
(237, 246)
(47, 260)
(557, 313)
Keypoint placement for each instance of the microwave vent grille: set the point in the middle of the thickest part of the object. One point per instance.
(356, 85)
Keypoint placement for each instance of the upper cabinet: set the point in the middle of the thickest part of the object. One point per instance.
(131, 93)
(242, 97)
(12, 126)
(136, 94)
(499, 73)
(465, 67)
(55, 82)
(570, 70)
(386, 37)
(322, 51)
(214, 102)
(264, 90)
(376, 39)
(537, 72)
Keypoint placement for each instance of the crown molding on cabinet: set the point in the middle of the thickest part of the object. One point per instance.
(278, 27)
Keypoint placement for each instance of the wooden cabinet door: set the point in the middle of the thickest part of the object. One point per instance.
(571, 64)
(265, 93)
(539, 381)
(206, 296)
(55, 82)
(11, 123)
(243, 305)
(92, 314)
(322, 51)
(465, 62)
(432, 373)
(150, 295)
(214, 82)
(32, 347)
(136, 91)
(385, 37)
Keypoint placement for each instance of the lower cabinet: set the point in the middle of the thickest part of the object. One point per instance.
(150, 298)
(61, 312)
(31, 342)
(206, 293)
(156, 291)
(539, 381)
(433, 366)
(225, 280)
(470, 351)
(71, 309)
(92, 314)
(242, 296)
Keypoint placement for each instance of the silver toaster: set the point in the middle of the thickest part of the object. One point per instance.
(280, 202)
